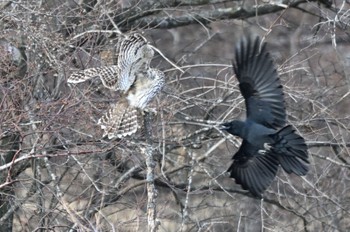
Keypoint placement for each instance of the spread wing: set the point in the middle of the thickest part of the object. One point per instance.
(119, 121)
(134, 54)
(108, 75)
(259, 84)
(253, 171)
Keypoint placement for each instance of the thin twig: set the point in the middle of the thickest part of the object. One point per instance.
(167, 59)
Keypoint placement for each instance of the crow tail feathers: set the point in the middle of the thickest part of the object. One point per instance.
(291, 151)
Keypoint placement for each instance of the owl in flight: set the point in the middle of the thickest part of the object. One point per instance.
(134, 78)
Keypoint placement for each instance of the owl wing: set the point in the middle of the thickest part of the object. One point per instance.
(147, 85)
(134, 54)
(119, 121)
(109, 76)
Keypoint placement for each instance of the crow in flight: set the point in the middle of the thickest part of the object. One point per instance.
(267, 141)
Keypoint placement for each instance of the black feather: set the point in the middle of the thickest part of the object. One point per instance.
(264, 145)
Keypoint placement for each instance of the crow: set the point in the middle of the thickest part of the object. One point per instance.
(267, 141)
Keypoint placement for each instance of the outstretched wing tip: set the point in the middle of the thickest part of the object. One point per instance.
(119, 121)
(259, 83)
(253, 172)
(108, 75)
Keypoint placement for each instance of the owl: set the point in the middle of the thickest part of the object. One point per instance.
(132, 76)
(134, 53)
(122, 119)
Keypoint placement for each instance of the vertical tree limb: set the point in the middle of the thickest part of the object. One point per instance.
(150, 163)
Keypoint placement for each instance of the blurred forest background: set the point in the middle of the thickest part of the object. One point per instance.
(59, 174)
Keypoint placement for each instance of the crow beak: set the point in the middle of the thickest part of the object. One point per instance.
(223, 126)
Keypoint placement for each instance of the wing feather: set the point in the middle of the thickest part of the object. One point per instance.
(253, 171)
(119, 121)
(108, 75)
(259, 84)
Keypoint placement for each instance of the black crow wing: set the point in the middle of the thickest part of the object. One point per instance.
(291, 150)
(259, 84)
(253, 171)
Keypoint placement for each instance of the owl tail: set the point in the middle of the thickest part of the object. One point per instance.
(119, 121)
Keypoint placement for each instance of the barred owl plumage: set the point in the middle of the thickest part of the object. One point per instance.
(119, 121)
(122, 119)
(133, 76)
(134, 53)
(108, 75)
(147, 85)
